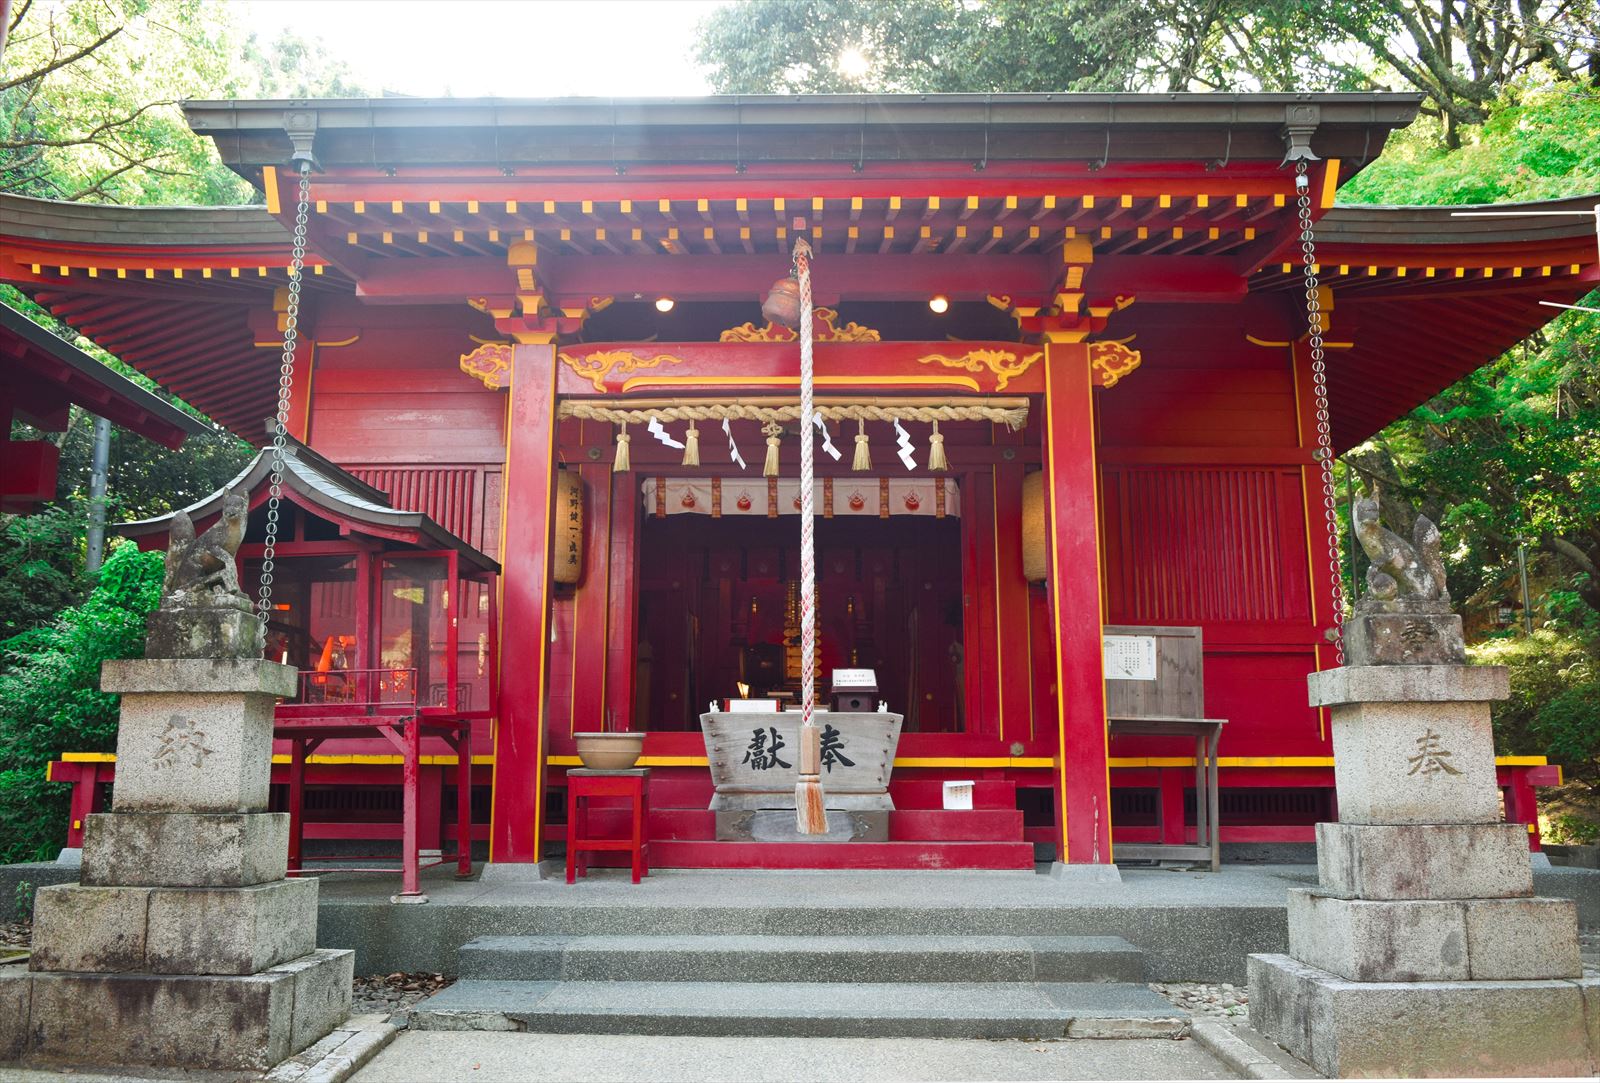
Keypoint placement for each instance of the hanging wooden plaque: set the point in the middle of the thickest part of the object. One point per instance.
(567, 551)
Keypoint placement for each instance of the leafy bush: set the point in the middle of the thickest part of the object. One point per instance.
(1570, 830)
(1544, 666)
(50, 698)
(1569, 729)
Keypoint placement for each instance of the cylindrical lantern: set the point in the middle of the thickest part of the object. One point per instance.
(1035, 553)
(567, 553)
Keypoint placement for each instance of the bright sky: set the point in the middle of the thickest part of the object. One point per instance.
(506, 48)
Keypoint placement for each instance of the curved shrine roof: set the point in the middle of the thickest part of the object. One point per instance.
(421, 202)
(333, 493)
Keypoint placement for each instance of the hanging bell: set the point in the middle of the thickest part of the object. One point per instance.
(782, 305)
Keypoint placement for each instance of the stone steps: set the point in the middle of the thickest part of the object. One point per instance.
(753, 958)
(806, 1009)
(892, 985)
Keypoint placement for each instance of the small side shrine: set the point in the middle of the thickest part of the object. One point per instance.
(390, 620)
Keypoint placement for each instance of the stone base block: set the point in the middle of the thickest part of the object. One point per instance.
(185, 849)
(1414, 763)
(95, 929)
(204, 631)
(173, 930)
(1379, 941)
(1424, 861)
(16, 998)
(194, 752)
(1426, 1029)
(248, 1022)
(1408, 684)
(1404, 639)
(238, 930)
(1435, 940)
(778, 825)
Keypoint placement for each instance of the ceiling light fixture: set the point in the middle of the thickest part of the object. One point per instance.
(664, 304)
(939, 303)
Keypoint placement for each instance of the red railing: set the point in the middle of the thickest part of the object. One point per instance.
(355, 691)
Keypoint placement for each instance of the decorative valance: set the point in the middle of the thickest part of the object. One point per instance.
(772, 497)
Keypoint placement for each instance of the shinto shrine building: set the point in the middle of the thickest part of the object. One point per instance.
(1091, 306)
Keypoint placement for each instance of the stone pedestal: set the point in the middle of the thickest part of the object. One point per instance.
(183, 945)
(1423, 951)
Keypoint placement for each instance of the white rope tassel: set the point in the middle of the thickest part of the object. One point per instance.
(811, 816)
(691, 446)
(733, 447)
(937, 460)
(622, 463)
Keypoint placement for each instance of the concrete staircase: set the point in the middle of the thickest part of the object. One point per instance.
(761, 984)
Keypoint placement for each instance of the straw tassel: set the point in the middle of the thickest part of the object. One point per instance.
(623, 462)
(936, 457)
(863, 459)
(772, 429)
(691, 446)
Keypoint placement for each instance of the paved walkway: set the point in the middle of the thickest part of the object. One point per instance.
(485, 1057)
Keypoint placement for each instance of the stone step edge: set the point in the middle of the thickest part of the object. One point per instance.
(798, 1017)
(1087, 944)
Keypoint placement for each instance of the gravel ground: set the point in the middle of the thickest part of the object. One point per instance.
(395, 995)
(1216, 1003)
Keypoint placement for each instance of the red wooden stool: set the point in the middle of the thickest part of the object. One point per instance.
(583, 784)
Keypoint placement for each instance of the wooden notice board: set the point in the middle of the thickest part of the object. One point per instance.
(1178, 687)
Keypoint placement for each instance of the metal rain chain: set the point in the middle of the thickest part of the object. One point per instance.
(280, 432)
(1319, 387)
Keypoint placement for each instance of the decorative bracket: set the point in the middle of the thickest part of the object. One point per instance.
(301, 128)
(1299, 122)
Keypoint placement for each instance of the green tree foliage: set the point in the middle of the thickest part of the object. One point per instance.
(89, 93)
(50, 701)
(1461, 54)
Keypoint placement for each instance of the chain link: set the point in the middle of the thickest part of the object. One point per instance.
(280, 432)
(1319, 389)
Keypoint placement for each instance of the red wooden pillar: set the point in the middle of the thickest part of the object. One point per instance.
(623, 611)
(516, 816)
(1083, 796)
(592, 602)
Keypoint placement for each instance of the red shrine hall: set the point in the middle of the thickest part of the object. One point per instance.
(1069, 502)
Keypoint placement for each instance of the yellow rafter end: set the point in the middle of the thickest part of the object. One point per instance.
(933, 203)
(1126, 201)
(1087, 202)
(422, 236)
(494, 236)
(1049, 203)
(894, 203)
(1143, 233)
(397, 206)
(472, 206)
(1105, 233)
(625, 206)
(433, 206)
(361, 206)
(233, 272)
(122, 272)
(1202, 200)
(458, 235)
(388, 237)
(349, 238)
(702, 205)
(511, 206)
(1241, 200)
(1249, 233)
(322, 206)
(888, 233)
(1164, 201)
(1278, 200)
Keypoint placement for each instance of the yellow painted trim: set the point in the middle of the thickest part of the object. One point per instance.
(341, 342)
(1330, 182)
(794, 381)
(900, 761)
(89, 757)
(364, 760)
(1522, 761)
(269, 186)
(1263, 342)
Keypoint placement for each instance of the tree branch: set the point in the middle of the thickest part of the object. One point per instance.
(62, 61)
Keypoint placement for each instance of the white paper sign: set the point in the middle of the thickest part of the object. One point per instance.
(1130, 658)
(854, 678)
(958, 795)
(752, 706)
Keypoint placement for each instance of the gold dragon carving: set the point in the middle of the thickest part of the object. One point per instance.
(1111, 361)
(1003, 364)
(491, 363)
(595, 367)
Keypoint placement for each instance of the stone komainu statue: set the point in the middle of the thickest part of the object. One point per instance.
(205, 565)
(1404, 618)
(1400, 570)
(203, 613)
